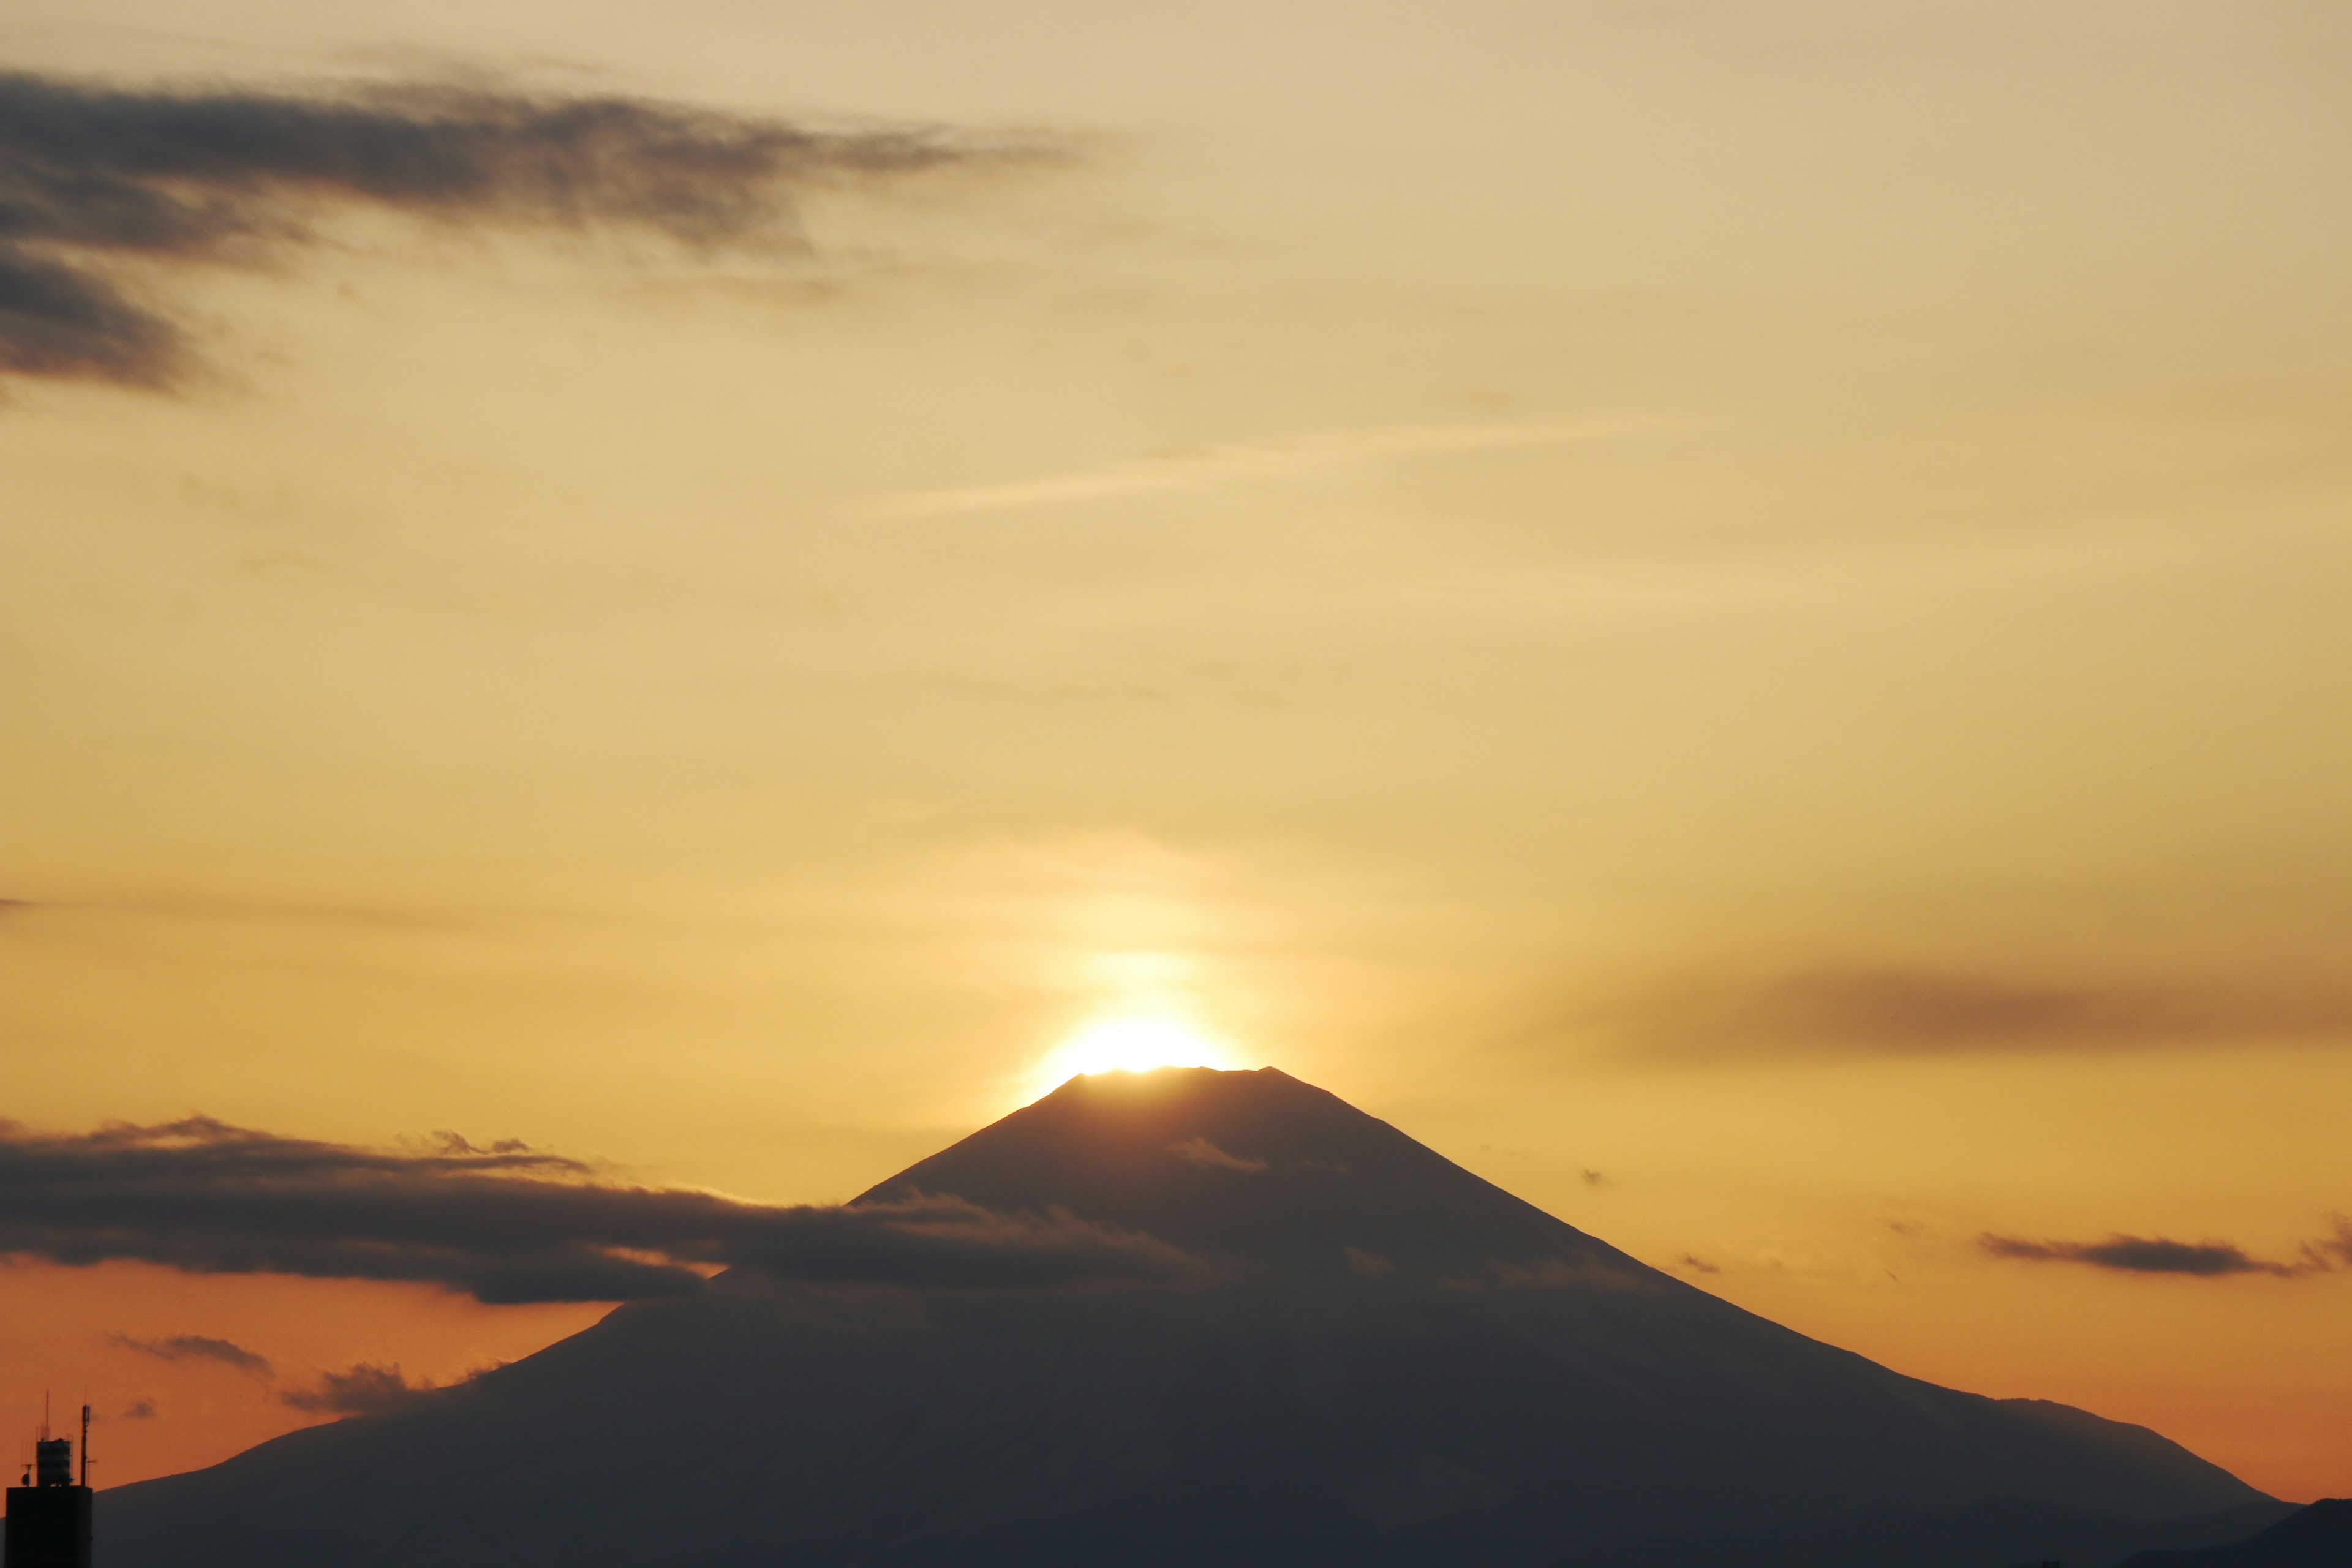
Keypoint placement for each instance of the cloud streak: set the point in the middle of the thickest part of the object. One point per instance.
(2194, 1259)
(180, 1348)
(92, 177)
(364, 1388)
(507, 1223)
(1261, 462)
(1862, 1010)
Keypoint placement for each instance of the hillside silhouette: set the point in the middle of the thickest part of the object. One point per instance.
(1381, 1359)
(2319, 1536)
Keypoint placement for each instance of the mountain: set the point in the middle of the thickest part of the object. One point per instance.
(1385, 1360)
(1984, 1535)
(2319, 1536)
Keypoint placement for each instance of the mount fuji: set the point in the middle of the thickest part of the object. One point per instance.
(1381, 1359)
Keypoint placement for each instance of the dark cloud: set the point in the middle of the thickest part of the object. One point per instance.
(363, 1389)
(1915, 1012)
(1694, 1261)
(94, 176)
(1597, 1179)
(506, 1224)
(198, 1347)
(2151, 1255)
(139, 1410)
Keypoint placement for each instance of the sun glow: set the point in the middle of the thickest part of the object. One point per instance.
(1132, 1042)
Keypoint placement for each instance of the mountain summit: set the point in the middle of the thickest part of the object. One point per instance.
(1382, 1359)
(1254, 1166)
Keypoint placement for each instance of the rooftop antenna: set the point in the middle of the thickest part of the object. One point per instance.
(85, 1438)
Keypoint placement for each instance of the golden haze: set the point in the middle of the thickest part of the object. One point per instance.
(1731, 613)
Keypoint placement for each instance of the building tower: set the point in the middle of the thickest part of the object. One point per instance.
(48, 1516)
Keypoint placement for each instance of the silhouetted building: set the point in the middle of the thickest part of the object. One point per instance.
(48, 1516)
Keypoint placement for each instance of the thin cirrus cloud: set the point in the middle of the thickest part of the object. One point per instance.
(1866, 1010)
(95, 177)
(2194, 1259)
(1262, 462)
(507, 1223)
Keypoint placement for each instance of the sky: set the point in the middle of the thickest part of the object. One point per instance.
(1729, 612)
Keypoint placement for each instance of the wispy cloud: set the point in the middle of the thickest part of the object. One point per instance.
(365, 1388)
(264, 912)
(1886, 1011)
(503, 1224)
(1262, 462)
(1201, 1152)
(92, 176)
(2157, 1255)
(180, 1348)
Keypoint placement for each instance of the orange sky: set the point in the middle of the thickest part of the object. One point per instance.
(1742, 598)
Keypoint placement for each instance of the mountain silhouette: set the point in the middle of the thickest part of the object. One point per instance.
(1984, 1535)
(2319, 1536)
(1382, 1359)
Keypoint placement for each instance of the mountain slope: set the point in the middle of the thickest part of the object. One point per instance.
(1393, 1362)
(2319, 1536)
(1985, 1535)
(1254, 1165)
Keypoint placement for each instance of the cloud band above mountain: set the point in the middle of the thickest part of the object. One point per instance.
(92, 176)
(504, 1224)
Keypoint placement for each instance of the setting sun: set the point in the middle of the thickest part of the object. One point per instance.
(1132, 1043)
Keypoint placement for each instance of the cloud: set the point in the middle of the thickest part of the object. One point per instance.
(504, 1224)
(1694, 1261)
(93, 176)
(1201, 1152)
(1887, 1011)
(365, 1388)
(198, 1347)
(139, 1410)
(2156, 1255)
(1259, 462)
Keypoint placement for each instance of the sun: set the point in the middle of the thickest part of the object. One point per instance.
(1132, 1042)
